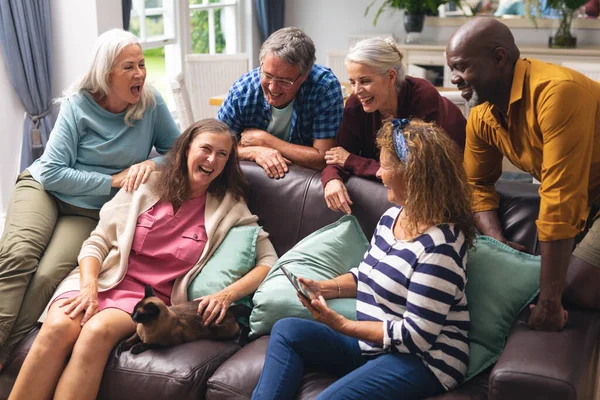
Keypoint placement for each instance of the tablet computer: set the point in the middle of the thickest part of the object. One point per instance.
(300, 288)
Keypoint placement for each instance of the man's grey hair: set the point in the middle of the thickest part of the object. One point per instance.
(291, 45)
(379, 54)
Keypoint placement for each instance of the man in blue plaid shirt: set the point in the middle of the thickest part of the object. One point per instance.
(289, 109)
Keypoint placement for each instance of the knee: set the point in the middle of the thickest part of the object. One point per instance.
(60, 330)
(45, 281)
(290, 330)
(17, 256)
(284, 326)
(97, 333)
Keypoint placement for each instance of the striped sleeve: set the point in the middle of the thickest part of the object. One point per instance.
(436, 284)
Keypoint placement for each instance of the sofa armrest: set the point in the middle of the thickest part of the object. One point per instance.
(549, 365)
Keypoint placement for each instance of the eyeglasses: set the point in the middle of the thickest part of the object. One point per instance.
(281, 82)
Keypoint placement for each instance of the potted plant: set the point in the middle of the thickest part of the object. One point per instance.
(562, 36)
(414, 12)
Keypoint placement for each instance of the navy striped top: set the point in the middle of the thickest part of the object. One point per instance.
(417, 289)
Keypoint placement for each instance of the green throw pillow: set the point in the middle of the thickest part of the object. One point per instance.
(234, 258)
(329, 252)
(501, 282)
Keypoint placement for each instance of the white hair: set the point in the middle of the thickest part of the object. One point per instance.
(379, 54)
(108, 47)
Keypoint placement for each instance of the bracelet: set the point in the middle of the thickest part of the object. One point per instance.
(338, 286)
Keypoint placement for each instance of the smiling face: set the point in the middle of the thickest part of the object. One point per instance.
(275, 67)
(472, 73)
(126, 79)
(206, 159)
(392, 177)
(376, 92)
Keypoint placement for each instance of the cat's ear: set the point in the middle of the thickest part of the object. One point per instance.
(148, 291)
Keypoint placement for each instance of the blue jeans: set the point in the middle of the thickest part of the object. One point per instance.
(297, 343)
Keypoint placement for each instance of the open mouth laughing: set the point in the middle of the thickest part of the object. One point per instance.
(135, 89)
(205, 170)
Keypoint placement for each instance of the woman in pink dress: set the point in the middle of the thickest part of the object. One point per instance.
(161, 234)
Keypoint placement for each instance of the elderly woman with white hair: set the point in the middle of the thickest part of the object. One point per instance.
(109, 122)
(380, 90)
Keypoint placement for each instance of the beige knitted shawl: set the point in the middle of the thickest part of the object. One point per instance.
(111, 241)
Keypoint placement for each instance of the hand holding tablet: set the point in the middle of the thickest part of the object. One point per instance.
(300, 288)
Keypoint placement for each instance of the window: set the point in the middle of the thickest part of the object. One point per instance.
(170, 29)
(153, 22)
(213, 26)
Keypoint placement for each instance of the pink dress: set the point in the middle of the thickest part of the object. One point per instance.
(165, 246)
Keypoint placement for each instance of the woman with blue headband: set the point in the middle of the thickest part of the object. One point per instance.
(410, 340)
(380, 90)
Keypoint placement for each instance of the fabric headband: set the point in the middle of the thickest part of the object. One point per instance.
(398, 138)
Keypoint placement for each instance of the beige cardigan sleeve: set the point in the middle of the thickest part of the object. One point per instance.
(265, 252)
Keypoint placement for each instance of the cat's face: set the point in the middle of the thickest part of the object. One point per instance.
(146, 310)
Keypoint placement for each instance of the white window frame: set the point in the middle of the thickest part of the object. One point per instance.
(177, 39)
(169, 14)
(232, 32)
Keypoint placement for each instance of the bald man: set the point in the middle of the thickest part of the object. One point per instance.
(546, 120)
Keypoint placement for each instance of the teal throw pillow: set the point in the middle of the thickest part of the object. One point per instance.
(329, 252)
(501, 281)
(234, 258)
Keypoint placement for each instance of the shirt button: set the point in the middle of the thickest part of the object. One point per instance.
(195, 236)
(397, 342)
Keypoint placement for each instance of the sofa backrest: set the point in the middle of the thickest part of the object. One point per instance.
(293, 207)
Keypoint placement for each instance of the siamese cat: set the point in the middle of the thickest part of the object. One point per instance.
(159, 325)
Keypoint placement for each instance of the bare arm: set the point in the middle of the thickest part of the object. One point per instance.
(365, 330)
(246, 284)
(87, 299)
(329, 288)
(548, 314)
(305, 156)
(488, 224)
(308, 157)
(213, 307)
(371, 331)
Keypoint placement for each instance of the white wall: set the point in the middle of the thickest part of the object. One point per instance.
(11, 115)
(75, 26)
(330, 22)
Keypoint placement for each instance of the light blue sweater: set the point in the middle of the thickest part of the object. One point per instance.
(89, 144)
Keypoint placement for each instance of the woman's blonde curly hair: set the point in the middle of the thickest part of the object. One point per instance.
(436, 186)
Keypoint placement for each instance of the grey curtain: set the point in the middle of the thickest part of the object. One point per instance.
(26, 44)
(126, 7)
(269, 15)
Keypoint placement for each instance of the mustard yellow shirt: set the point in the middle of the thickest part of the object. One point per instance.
(553, 133)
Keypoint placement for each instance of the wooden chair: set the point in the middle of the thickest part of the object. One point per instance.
(209, 75)
(185, 115)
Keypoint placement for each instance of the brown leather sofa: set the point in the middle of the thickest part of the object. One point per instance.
(534, 365)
